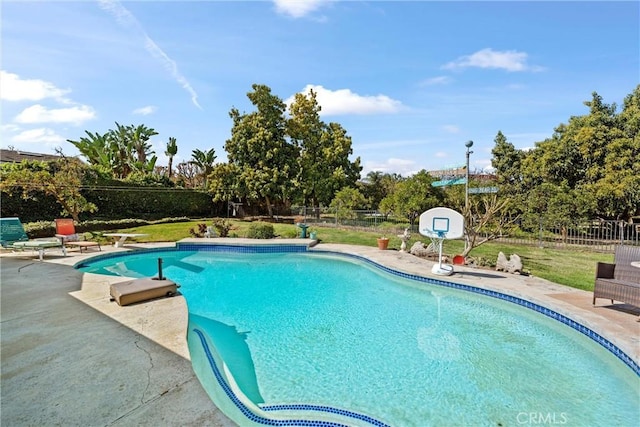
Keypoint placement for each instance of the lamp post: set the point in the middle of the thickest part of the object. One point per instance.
(467, 144)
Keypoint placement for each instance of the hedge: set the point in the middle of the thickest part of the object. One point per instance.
(141, 202)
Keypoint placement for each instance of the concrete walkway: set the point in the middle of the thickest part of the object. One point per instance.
(71, 357)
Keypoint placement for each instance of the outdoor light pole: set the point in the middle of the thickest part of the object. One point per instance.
(467, 144)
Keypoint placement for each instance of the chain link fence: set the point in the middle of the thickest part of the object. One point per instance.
(595, 235)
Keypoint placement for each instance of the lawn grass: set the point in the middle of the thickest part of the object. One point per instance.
(570, 267)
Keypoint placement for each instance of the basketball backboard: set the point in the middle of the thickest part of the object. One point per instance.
(442, 223)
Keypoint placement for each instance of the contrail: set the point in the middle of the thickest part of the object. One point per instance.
(125, 18)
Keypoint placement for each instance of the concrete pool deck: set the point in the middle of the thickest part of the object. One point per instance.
(70, 356)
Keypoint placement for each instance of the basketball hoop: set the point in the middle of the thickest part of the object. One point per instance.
(439, 224)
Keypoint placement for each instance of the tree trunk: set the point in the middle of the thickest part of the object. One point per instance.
(269, 207)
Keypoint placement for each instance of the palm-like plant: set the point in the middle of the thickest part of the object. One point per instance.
(122, 150)
(204, 161)
(139, 141)
(171, 151)
(95, 148)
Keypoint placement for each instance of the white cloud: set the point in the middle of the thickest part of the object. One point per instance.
(509, 60)
(39, 114)
(38, 136)
(343, 101)
(391, 144)
(14, 88)
(298, 8)
(440, 80)
(451, 128)
(126, 19)
(441, 154)
(145, 111)
(403, 167)
(9, 127)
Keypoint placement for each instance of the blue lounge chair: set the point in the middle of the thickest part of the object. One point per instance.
(13, 236)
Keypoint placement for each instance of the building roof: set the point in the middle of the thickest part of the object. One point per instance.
(16, 156)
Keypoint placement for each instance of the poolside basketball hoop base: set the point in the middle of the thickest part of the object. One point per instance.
(442, 269)
(439, 224)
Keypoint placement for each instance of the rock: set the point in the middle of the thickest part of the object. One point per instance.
(501, 262)
(512, 265)
(516, 264)
(420, 250)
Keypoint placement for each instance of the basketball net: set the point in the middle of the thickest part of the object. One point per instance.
(436, 241)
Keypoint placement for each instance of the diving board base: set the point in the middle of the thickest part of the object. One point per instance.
(140, 290)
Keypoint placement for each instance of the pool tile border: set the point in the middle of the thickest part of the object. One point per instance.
(270, 408)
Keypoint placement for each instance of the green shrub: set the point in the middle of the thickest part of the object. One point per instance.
(261, 231)
(40, 229)
(222, 226)
(290, 234)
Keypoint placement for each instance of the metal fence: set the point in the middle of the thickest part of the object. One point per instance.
(595, 235)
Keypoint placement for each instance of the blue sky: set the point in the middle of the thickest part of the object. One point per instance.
(411, 81)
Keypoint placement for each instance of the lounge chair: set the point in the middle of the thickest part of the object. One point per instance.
(13, 236)
(66, 232)
(619, 281)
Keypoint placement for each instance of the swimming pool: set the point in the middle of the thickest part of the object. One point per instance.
(313, 337)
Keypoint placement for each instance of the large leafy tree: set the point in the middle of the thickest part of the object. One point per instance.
(617, 191)
(346, 201)
(323, 163)
(61, 179)
(258, 148)
(413, 196)
(378, 185)
(588, 167)
(507, 163)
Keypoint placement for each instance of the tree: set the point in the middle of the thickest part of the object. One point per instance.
(61, 179)
(96, 149)
(507, 163)
(486, 218)
(223, 183)
(259, 149)
(204, 161)
(140, 136)
(122, 150)
(413, 196)
(593, 158)
(346, 201)
(378, 185)
(170, 152)
(186, 174)
(323, 163)
(617, 192)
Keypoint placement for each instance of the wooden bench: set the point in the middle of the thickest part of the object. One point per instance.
(619, 281)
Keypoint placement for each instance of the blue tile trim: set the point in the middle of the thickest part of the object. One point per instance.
(280, 422)
(242, 249)
(87, 262)
(625, 358)
(246, 249)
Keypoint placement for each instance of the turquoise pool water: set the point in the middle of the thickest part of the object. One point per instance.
(298, 328)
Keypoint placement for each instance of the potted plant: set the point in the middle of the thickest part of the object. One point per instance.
(383, 243)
